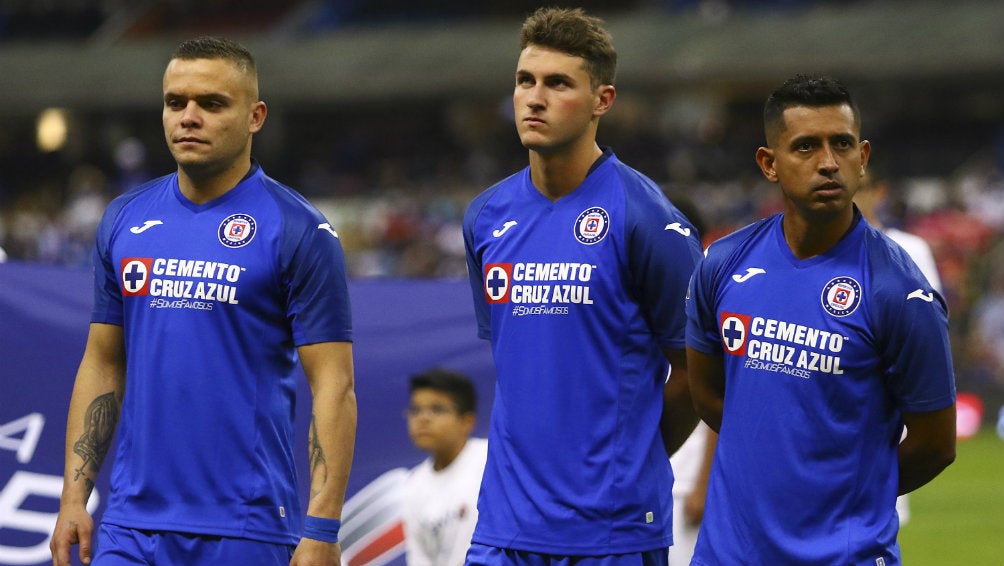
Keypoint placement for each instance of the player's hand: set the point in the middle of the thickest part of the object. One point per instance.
(74, 525)
(312, 552)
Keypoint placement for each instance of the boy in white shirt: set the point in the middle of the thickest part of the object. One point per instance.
(441, 493)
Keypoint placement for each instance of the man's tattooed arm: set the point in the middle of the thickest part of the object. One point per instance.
(100, 421)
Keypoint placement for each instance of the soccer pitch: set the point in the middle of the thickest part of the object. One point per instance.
(959, 517)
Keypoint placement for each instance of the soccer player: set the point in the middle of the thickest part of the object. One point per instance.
(579, 266)
(441, 493)
(210, 282)
(870, 199)
(812, 341)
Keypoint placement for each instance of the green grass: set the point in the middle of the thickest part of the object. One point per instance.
(958, 518)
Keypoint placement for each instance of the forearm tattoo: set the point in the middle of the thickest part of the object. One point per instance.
(318, 463)
(100, 421)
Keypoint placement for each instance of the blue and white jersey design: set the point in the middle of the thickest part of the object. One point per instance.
(821, 357)
(578, 297)
(213, 299)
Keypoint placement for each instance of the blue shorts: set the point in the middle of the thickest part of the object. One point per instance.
(481, 555)
(119, 546)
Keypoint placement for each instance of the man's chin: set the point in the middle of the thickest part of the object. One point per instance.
(192, 158)
(538, 146)
(189, 159)
(199, 168)
(532, 140)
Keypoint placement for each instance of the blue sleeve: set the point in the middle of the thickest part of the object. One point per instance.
(107, 295)
(313, 268)
(108, 307)
(702, 319)
(703, 326)
(663, 248)
(913, 336)
(475, 269)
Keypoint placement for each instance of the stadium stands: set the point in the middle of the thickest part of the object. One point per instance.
(392, 118)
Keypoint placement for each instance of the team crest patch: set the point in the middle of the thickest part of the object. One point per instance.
(136, 276)
(237, 230)
(841, 296)
(498, 277)
(592, 225)
(735, 331)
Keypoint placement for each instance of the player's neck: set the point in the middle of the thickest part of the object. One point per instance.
(556, 175)
(201, 186)
(811, 236)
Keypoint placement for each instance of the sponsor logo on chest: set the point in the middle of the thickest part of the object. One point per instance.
(199, 284)
(547, 288)
(193, 283)
(782, 346)
(553, 283)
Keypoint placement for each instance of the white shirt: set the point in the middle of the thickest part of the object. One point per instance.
(919, 251)
(441, 507)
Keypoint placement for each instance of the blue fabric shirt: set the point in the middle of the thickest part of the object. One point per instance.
(213, 299)
(578, 297)
(821, 357)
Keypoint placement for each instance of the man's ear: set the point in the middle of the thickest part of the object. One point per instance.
(866, 150)
(258, 113)
(605, 95)
(765, 159)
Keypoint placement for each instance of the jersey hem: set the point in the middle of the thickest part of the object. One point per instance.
(204, 530)
(572, 550)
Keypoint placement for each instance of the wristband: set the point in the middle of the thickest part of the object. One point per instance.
(322, 529)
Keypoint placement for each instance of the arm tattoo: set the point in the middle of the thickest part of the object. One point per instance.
(318, 463)
(100, 421)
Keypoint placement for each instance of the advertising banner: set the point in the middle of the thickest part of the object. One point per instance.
(401, 327)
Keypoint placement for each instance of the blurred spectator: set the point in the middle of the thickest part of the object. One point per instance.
(982, 368)
(441, 493)
(989, 324)
(872, 200)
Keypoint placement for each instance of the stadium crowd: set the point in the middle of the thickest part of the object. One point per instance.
(395, 183)
(81, 20)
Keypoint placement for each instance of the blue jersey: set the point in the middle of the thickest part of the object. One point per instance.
(578, 297)
(821, 357)
(213, 299)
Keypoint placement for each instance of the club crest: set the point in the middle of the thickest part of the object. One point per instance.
(237, 230)
(841, 296)
(592, 225)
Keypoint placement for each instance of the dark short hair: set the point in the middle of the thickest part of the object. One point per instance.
(804, 90)
(208, 47)
(455, 384)
(571, 31)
